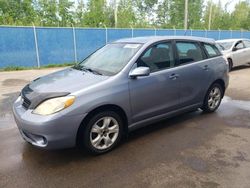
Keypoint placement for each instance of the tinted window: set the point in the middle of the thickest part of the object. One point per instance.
(211, 50)
(188, 52)
(247, 43)
(157, 57)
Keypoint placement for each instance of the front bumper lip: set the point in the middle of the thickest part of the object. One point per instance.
(49, 132)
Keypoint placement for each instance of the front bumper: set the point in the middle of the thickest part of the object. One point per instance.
(54, 131)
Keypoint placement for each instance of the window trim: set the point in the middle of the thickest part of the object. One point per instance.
(204, 56)
(171, 41)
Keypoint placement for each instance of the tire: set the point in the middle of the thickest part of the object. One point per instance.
(213, 98)
(230, 64)
(102, 132)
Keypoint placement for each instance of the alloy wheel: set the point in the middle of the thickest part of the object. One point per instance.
(104, 133)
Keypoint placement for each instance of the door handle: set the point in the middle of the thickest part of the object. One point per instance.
(205, 67)
(174, 76)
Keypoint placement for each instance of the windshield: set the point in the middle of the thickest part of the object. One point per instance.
(225, 45)
(110, 59)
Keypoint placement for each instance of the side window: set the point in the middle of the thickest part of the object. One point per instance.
(157, 57)
(247, 43)
(188, 52)
(211, 50)
(239, 45)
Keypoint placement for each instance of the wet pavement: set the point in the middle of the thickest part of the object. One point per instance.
(191, 150)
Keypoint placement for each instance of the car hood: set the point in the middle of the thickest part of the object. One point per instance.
(68, 80)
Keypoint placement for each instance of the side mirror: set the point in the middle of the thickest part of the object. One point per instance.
(139, 71)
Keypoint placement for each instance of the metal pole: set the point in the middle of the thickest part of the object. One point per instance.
(241, 33)
(106, 33)
(231, 33)
(174, 31)
(186, 15)
(74, 43)
(191, 30)
(155, 31)
(36, 46)
(219, 33)
(205, 33)
(132, 31)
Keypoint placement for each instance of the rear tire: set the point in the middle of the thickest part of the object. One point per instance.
(102, 132)
(213, 98)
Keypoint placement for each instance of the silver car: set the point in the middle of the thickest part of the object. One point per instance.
(124, 85)
(236, 51)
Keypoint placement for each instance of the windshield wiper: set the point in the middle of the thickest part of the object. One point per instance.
(83, 68)
(92, 70)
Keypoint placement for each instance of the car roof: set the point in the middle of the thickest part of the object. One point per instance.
(151, 39)
(231, 40)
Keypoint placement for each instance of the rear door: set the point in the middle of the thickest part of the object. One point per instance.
(194, 71)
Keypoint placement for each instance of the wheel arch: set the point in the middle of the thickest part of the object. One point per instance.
(222, 84)
(106, 107)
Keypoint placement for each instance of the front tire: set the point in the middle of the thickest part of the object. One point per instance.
(213, 98)
(230, 64)
(102, 132)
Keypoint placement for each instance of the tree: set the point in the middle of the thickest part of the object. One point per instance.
(47, 12)
(240, 15)
(79, 13)
(65, 13)
(96, 14)
(163, 17)
(126, 16)
(176, 13)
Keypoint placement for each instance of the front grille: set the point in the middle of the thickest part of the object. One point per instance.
(26, 102)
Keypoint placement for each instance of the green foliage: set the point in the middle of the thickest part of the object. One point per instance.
(135, 13)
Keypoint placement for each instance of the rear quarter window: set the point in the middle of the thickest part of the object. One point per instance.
(211, 50)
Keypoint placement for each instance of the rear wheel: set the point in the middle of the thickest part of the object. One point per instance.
(213, 98)
(102, 133)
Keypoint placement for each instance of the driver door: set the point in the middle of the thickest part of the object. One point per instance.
(238, 55)
(157, 93)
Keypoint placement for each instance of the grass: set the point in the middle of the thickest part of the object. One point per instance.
(18, 68)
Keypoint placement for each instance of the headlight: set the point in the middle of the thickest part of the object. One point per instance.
(54, 105)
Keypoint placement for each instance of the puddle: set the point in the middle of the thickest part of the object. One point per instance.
(14, 82)
(235, 112)
(244, 105)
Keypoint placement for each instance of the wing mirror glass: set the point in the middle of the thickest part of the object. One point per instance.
(139, 71)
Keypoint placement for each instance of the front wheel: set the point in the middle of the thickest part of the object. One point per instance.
(213, 98)
(102, 133)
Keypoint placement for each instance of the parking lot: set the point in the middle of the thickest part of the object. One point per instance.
(191, 150)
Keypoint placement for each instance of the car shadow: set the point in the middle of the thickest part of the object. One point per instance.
(241, 67)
